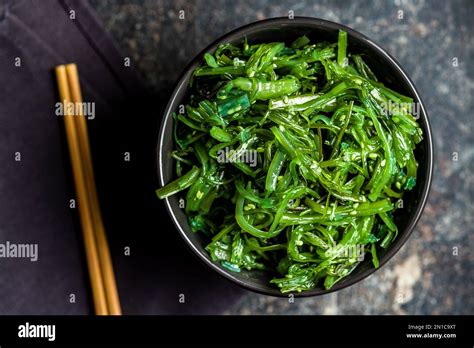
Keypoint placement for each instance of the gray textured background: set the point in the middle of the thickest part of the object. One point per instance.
(428, 276)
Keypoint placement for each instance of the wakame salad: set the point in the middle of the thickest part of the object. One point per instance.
(291, 159)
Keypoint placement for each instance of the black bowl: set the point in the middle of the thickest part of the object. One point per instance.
(384, 66)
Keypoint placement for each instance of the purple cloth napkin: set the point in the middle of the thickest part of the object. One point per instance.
(36, 182)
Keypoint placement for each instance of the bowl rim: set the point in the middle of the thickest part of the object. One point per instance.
(310, 22)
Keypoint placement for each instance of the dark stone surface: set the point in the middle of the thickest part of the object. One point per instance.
(434, 271)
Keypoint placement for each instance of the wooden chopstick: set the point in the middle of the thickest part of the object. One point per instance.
(92, 256)
(105, 259)
(100, 266)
